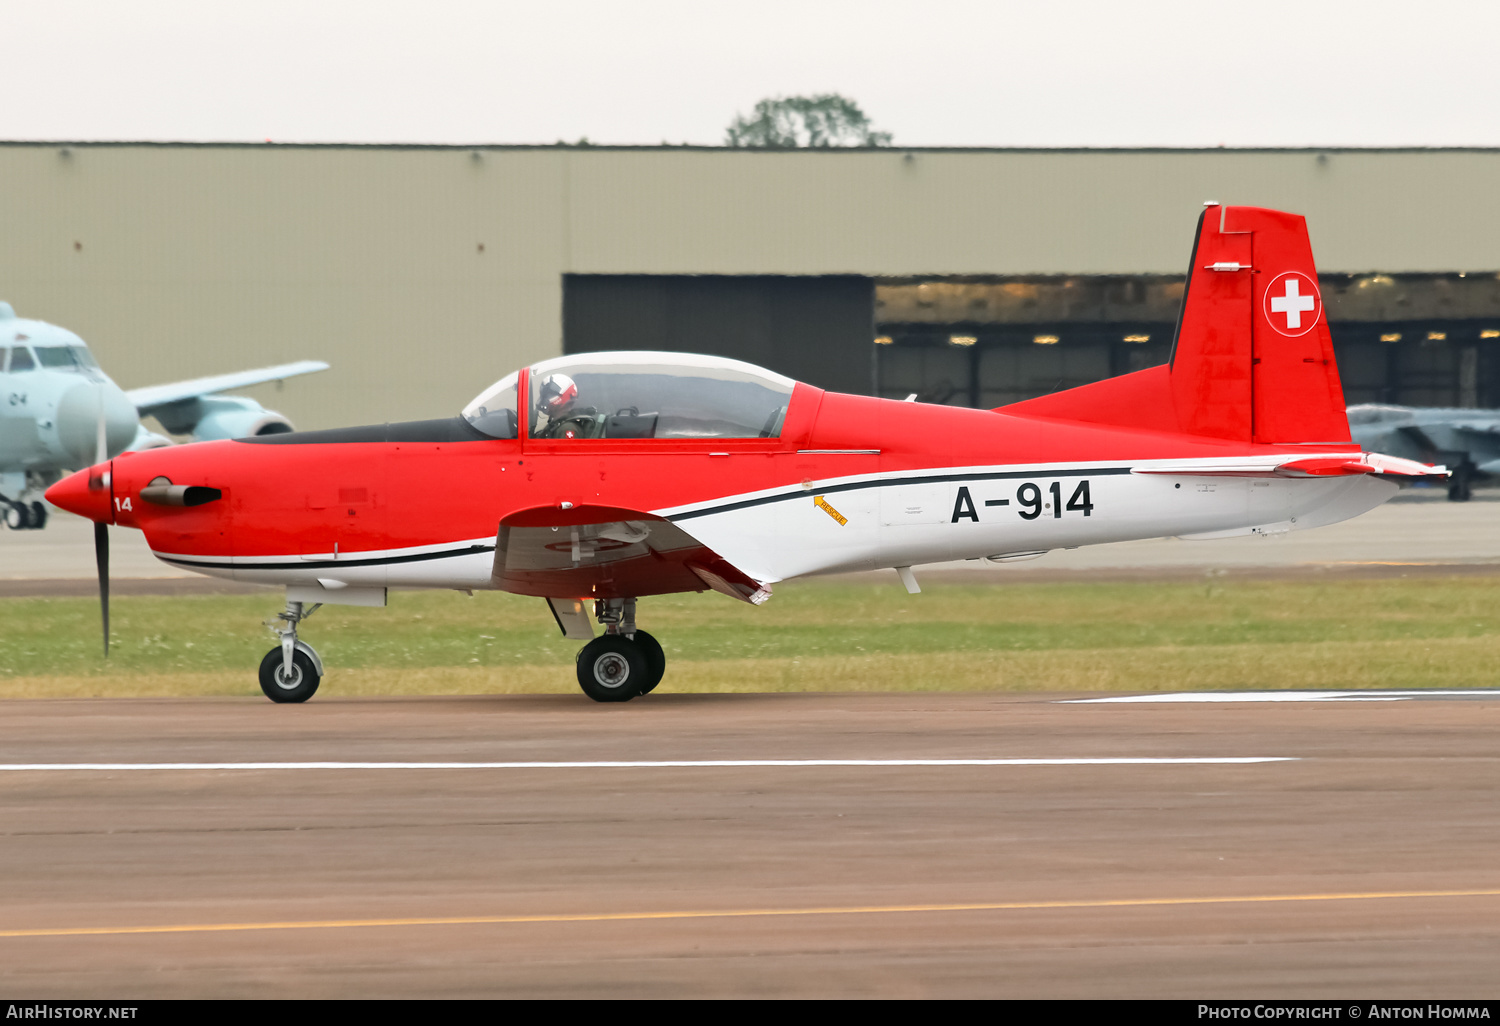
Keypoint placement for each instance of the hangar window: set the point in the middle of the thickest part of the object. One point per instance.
(656, 395)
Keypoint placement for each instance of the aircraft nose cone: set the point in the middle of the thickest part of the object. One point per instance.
(78, 414)
(86, 493)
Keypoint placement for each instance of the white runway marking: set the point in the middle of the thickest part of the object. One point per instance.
(46, 767)
(1288, 696)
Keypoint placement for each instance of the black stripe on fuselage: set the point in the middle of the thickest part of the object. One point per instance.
(446, 429)
(729, 507)
(311, 564)
(322, 564)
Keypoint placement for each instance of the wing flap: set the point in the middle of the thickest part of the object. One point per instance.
(727, 579)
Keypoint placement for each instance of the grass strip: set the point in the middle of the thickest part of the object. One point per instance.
(814, 636)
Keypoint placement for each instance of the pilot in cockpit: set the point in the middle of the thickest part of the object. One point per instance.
(557, 399)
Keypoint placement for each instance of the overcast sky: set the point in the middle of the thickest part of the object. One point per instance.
(934, 72)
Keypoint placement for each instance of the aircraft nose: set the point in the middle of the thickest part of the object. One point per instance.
(86, 493)
(78, 414)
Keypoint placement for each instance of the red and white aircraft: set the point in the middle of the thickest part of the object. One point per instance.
(594, 480)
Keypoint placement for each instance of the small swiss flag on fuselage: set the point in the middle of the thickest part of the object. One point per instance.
(1293, 303)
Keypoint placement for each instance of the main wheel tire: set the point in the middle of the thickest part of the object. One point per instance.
(298, 687)
(1461, 484)
(17, 517)
(38, 516)
(612, 668)
(656, 660)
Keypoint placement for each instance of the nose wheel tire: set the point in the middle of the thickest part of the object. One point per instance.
(612, 668)
(279, 686)
(656, 661)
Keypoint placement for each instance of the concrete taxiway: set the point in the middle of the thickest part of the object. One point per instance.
(776, 845)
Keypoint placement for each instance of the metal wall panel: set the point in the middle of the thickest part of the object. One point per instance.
(179, 260)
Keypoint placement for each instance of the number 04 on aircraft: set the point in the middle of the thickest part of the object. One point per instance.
(596, 480)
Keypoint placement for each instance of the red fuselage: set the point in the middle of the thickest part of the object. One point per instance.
(292, 497)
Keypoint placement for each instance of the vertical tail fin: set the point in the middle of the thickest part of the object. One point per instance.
(1252, 360)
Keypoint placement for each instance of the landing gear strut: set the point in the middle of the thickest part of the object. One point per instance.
(624, 662)
(291, 671)
(1460, 487)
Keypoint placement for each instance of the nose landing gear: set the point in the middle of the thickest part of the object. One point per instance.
(22, 516)
(292, 671)
(624, 662)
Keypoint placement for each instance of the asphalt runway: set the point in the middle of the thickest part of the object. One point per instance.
(1045, 850)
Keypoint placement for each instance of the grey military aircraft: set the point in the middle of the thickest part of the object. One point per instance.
(1467, 440)
(59, 411)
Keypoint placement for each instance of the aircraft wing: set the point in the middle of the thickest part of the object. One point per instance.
(606, 552)
(152, 396)
(1478, 427)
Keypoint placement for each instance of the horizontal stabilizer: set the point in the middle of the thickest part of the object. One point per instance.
(1333, 465)
(1327, 466)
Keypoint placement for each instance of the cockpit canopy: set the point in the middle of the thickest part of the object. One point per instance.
(638, 395)
(72, 359)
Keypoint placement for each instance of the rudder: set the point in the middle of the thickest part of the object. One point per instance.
(1296, 392)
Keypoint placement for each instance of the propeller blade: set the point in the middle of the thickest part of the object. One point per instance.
(101, 449)
(101, 557)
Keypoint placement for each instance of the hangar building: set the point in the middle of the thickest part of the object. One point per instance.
(973, 277)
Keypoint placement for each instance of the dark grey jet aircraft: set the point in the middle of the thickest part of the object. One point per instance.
(1468, 441)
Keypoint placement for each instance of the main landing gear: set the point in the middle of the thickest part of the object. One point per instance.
(291, 671)
(23, 516)
(1460, 485)
(625, 661)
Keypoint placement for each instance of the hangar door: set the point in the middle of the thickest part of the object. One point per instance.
(815, 329)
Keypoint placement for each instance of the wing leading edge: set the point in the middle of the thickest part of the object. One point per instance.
(153, 396)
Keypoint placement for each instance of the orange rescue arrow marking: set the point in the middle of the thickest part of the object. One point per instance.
(822, 504)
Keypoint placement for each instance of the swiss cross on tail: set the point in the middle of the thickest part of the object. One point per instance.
(1293, 303)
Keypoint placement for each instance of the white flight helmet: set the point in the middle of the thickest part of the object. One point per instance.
(556, 393)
